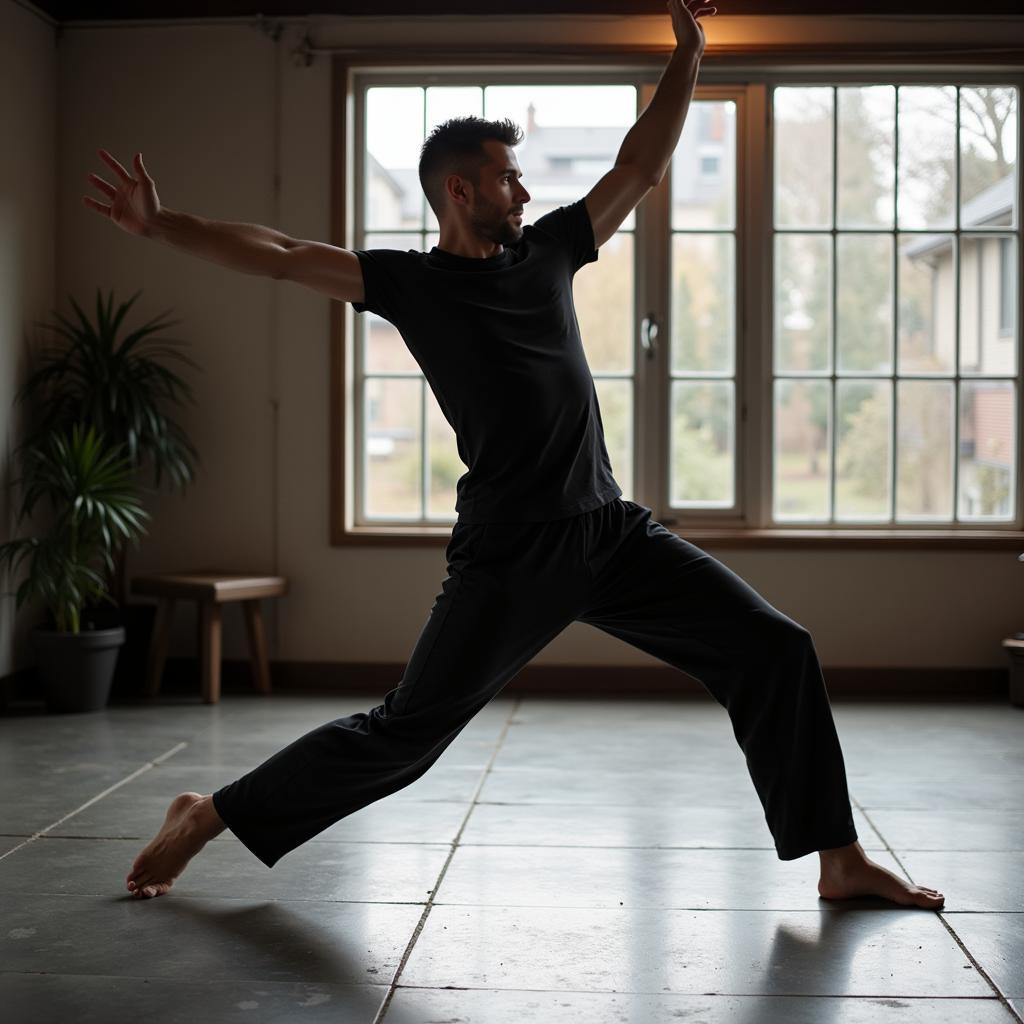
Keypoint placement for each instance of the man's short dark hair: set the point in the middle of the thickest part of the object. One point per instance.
(456, 147)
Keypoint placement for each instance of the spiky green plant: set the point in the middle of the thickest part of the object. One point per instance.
(89, 488)
(118, 388)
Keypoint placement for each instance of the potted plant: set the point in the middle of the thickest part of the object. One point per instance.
(89, 488)
(121, 388)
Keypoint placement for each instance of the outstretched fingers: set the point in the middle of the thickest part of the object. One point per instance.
(98, 206)
(116, 165)
(102, 185)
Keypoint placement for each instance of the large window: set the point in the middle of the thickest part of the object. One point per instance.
(811, 321)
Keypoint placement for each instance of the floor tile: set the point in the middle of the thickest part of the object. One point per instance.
(997, 941)
(651, 788)
(205, 939)
(39, 797)
(934, 791)
(669, 825)
(358, 872)
(531, 876)
(963, 829)
(970, 881)
(491, 1006)
(137, 809)
(112, 1000)
(898, 952)
(8, 843)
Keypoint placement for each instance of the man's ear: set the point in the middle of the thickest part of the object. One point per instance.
(459, 189)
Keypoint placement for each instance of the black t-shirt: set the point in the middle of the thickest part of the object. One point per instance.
(498, 342)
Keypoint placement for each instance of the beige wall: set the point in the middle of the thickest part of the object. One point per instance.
(28, 127)
(211, 106)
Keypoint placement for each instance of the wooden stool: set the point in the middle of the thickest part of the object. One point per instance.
(210, 589)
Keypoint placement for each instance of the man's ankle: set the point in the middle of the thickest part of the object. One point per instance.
(210, 822)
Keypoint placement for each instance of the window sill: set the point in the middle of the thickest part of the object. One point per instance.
(947, 540)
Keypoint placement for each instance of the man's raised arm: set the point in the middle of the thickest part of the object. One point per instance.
(647, 149)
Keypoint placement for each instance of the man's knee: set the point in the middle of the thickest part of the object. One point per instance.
(780, 635)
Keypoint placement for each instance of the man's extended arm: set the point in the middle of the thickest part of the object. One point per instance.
(135, 207)
(249, 248)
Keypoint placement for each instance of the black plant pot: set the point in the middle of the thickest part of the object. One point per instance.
(76, 669)
(137, 620)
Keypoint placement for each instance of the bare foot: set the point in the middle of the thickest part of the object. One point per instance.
(190, 823)
(847, 872)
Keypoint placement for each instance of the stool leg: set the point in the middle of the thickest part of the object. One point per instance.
(210, 654)
(257, 645)
(158, 645)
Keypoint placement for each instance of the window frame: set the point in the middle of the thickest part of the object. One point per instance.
(749, 86)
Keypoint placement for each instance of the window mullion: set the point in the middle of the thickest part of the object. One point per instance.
(757, 242)
(652, 250)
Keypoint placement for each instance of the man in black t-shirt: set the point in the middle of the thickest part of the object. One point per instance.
(498, 341)
(543, 536)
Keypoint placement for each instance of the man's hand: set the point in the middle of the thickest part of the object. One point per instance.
(134, 205)
(689, 34)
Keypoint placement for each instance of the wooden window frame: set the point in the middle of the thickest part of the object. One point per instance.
(770, 65)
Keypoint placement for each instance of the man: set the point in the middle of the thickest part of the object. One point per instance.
(543, 537)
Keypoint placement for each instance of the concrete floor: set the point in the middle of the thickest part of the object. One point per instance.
(563, 861)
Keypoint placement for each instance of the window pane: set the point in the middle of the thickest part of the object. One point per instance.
(924, 450)
(615, 399)
(927, 156)
(863, 449)
(703, 301)
(384, 351)
(393, 462)
(802, 425)
(572, 134)
(927, 324)
(988, 156)
(802, 125)
(704, 167)
(392, 196)
(603, 297)
(988, 413)
(703, 444)
(988, 292)
(864, 265)
(445, 465)
(803, 274)
(866, 118)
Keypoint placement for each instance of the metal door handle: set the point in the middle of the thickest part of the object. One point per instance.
(649, 334)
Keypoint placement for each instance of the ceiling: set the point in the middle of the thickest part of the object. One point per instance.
(91, 10)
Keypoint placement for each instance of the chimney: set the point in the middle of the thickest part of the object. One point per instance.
(531, 122)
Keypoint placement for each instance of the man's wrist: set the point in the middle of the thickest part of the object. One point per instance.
(686, 55)
(158, 227)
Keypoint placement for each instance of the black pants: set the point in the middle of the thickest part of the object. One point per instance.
(511, 588)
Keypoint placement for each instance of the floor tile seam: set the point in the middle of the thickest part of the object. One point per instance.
(697, 995)
(382, 1010)
(148, 766)
(949, 928)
